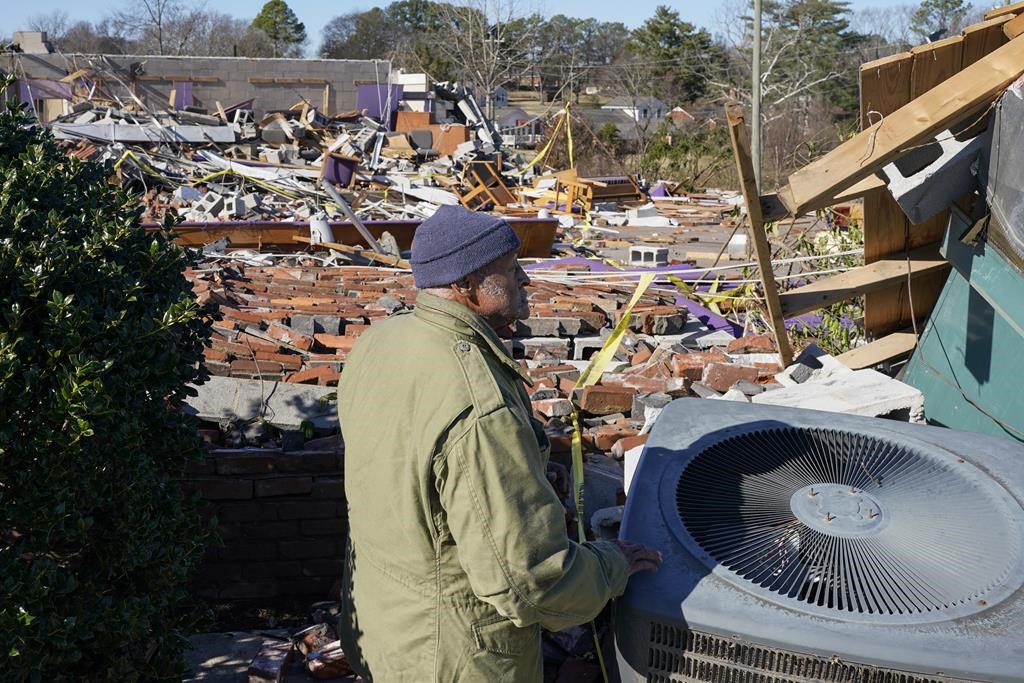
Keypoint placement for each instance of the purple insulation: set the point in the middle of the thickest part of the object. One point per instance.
(372, 99)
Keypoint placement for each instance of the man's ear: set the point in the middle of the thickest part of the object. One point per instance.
(465, 287)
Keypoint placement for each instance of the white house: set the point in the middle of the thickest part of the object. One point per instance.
(640, 109)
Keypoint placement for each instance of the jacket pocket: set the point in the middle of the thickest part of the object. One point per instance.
(501, 637)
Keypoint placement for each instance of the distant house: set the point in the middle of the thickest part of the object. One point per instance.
(643, 110)
(499, 97)
(518, 128)
(623, 122)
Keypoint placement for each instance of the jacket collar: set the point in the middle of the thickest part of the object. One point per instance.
(458, 318)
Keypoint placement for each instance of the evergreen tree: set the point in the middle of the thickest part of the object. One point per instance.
(679, 54)
(934, 17)
(281, 26)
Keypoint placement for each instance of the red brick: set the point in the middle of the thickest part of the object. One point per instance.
(248, 343)
(355, 330)
(721, 376)
(287, 361)
(223, 489)
(336, 341)
(553, 407)
(309, 509)
(306, 461)
(642, 355)
(270, 529)
(321, 374)
(252, 317)
(272, 569)
(322, 567)
(323, 527)
(290, 336)
(691, 365)
(243, 462)
(608, 435)
(600, 400)
(283, 486)
(241, 367)
(215, 354)
(245, 512)
(329, 488)
(627, 444)
(753, 344)
(307, 549)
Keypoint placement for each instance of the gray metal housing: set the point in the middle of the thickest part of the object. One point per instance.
(985, 646)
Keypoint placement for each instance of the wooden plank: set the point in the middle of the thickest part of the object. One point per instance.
(755, 223)
(888, 348)
(1015, 8)
(874, 276)
(884, 87)
(1014, 27)
(934, 63)
(72, 77)
(385, 259)
(980, 39)
(955, 99)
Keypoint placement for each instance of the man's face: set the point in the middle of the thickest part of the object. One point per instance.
(501, 293)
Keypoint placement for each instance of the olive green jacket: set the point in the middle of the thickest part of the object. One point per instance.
(458, 552)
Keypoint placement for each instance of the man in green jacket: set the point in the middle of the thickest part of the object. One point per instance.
(458, 553)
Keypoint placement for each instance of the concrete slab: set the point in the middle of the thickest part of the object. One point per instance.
(221, 657)
(285, 406)
(860, 392)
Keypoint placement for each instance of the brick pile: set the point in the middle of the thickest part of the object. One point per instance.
(298, 323)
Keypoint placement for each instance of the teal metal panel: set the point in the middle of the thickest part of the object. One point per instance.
(969, 363)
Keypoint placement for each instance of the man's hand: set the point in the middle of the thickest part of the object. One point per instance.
(640, 557)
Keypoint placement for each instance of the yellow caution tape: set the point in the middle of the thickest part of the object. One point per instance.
(590, 375)
(544, 152)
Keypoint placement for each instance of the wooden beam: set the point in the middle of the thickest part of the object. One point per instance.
(888, 348)
(883, 273)
(1015, 8)
(755, 223)
(1014, 27)
(980, 39)
(955, 99)
(385, 259)
(774, 210)
(74, 76)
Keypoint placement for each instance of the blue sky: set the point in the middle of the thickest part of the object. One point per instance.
(316, 13)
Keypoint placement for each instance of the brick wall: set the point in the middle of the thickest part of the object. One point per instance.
(282, 519)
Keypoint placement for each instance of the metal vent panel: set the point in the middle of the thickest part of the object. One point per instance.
(851, 526)
(677, 655)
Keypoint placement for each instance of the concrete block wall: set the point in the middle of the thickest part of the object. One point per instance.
(282, 519)
(232, 74)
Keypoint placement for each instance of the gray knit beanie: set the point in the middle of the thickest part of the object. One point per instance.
(455, 242)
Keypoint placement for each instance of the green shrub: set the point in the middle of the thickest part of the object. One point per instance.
(99, 336)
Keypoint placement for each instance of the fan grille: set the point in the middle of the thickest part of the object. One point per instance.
(850, 523)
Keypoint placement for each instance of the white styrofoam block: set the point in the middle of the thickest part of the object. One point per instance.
(630, 460)
(857, 392)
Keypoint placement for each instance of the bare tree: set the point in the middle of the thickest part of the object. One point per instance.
(54, 24)
(163, 27)
(488, 41)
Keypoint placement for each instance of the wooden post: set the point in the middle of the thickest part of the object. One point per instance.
(755, 221)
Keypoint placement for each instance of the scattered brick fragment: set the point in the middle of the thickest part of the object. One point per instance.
(753, 344)
(602, 400)
(691, 365)
(721, 376)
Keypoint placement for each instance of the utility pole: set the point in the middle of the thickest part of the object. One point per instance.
(755, 97)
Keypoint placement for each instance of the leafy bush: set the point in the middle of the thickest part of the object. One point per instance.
(99, 335)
